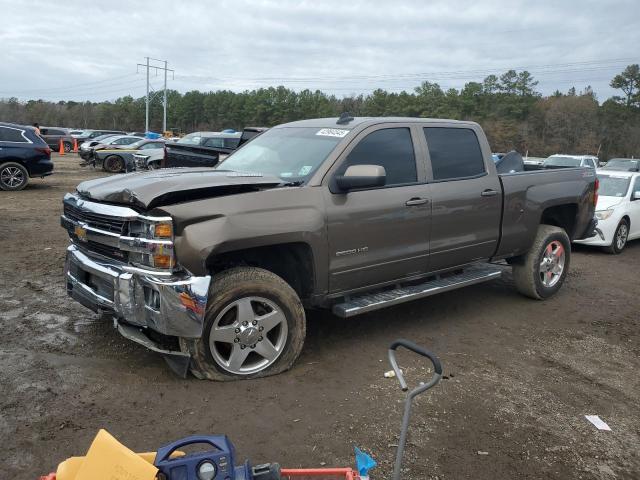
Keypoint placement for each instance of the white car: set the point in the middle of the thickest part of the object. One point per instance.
(617, 210)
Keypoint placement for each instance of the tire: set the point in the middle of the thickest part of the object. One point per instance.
(153, 165)
(242, 350)
(544, 267)
(113, 164)
(67, 147)
(619, 238)
(13, 177)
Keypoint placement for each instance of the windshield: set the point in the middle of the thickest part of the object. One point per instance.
(612, 186)
(563, 161)
(191, 139)
(292, 154)
(623, 164)
(138, 143)
(102, 137)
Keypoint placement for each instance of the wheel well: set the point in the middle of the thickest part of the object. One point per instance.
(626, 217)
(293, 262)
(563, 216)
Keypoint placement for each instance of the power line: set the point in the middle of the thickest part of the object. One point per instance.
(72, 87)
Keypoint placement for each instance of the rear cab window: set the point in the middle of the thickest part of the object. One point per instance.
(455, 153)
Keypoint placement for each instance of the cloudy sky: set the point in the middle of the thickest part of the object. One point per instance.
(78, 49)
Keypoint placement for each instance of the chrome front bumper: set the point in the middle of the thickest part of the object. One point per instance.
(173, 306)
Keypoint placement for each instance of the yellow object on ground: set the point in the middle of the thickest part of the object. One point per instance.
(108, 459)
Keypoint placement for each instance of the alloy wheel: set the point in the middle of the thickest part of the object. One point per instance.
(552, 264)
(248, 335)
(621, 236)
(12, 177)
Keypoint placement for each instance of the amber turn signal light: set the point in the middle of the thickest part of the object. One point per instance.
(163, 230)
(162, 261)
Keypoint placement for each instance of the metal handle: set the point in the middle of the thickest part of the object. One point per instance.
(416, 201)
(437, 366)
(489, 193)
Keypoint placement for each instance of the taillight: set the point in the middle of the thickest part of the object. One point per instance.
(595, 192)
(45, 150)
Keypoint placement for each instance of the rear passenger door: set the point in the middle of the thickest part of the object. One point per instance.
(466, 197)
(379, 234)
(634, 210)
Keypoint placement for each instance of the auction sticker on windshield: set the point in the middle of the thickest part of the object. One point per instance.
(332, 132)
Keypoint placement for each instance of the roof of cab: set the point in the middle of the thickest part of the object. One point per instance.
(332, 122)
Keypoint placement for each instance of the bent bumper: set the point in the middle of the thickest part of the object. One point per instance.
(173, 306)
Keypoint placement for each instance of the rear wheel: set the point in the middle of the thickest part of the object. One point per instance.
(254, 327)
(619, 238)
(113, 164)
(13, 176)
(544, 268)
(67, 147)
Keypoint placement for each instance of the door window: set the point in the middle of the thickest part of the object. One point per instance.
(455, 153)
(391, 148)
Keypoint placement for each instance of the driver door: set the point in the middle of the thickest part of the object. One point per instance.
(378, 235)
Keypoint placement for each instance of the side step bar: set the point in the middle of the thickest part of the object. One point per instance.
(373, 301)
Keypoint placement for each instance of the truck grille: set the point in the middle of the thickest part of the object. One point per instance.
(103, 222)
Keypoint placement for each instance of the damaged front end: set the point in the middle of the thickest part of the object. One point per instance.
(123, 263)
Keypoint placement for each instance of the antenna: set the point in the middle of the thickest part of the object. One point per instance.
(345, 118)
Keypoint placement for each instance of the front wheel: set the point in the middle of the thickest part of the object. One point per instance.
(619, 238)
(254, 326)
(67, 147)
(544, 267)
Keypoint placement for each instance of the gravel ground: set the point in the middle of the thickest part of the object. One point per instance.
(519, 375)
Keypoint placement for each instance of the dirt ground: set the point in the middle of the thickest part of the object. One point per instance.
(519, 375)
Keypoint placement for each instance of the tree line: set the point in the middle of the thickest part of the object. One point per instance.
(510, 109)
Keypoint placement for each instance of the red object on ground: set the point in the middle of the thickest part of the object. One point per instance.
(61, 150)
(75, 146)
(51, 476)
(326, 473)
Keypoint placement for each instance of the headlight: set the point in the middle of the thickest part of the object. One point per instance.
(604, 214)
(155, 242)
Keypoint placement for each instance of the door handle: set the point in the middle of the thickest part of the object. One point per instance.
(489, 193)
(416, 201)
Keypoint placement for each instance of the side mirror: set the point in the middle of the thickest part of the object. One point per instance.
(362, 176)
(635, 195)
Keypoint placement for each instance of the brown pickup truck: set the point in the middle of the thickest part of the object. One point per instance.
(214, 268)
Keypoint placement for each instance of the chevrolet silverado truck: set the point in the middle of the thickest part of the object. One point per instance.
(214, 267)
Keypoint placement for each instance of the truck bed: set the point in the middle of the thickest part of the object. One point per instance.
(527, 195)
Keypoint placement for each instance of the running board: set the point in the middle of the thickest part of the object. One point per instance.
(373, 301)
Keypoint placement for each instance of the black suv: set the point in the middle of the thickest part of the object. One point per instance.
(23, 154)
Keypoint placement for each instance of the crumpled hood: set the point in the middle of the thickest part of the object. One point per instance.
(155, 188)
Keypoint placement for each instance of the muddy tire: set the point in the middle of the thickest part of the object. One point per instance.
(544, 268)
(13, 177)
(620, 238)
(113, 164)
(254, 326)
